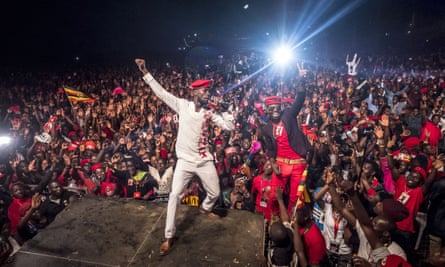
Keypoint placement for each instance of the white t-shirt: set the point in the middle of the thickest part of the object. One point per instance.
(192, 139)
(365, 249)
(335, 242)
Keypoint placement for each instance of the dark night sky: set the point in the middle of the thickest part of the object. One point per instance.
(109, 31)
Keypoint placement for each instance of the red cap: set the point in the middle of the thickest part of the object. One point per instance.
(200, 84)
(272, 100)
(97, 166)
(424, 90)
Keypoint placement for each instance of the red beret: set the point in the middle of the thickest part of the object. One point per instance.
(424, 90)
(90, 145)
(84, 161)
(411, 142)
(15, 108)
(421, 171)
(71, 133)
(200, 84)
(72, 146)
(97, 166)
(394, 261)
(394, 210)
(272, 100)
(288, 100)
(118, 91)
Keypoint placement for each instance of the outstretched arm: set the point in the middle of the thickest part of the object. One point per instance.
(362, 216)
(284, 216)
(169, 99)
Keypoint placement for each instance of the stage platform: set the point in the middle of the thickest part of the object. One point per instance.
(126, 232)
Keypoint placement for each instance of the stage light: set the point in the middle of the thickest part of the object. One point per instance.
(283, 55)
(5, 140)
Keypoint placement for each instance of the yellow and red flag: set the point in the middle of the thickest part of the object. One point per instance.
(302, 194)
(76, 95)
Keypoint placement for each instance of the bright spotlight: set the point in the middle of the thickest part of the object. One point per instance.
(283, 55)
(5, 140)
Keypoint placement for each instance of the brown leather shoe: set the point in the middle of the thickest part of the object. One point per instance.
(165, 246)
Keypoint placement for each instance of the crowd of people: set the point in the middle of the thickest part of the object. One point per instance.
(368, 150)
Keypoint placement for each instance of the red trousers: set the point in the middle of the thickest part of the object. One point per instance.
(291, 173)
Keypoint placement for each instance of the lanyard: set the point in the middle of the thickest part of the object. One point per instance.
(337, 220)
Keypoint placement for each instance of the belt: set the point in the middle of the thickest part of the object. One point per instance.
(291, 161)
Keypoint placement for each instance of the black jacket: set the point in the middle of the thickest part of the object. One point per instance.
(297, 139)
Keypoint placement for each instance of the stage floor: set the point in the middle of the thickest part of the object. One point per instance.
(127, 232)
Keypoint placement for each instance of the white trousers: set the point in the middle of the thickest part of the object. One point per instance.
(185, 171)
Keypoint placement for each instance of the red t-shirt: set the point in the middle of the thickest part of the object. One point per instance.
(261, 187)
(434, 131)
(314, 244)
(284, 149)
(16, 210)
(412, 204)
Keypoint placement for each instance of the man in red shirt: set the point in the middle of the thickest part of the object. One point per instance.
(313, 240)
(410, 192)
(261, 187)
(286, 144)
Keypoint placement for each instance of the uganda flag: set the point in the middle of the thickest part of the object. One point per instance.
(77, 96)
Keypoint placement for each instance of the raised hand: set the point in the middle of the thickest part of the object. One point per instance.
(438, 164)
(378, 131)
(301, 70)
(35, 201)
(384, 121)
(392, 141)
(332, 177)
(141, 65)
(352, 65)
